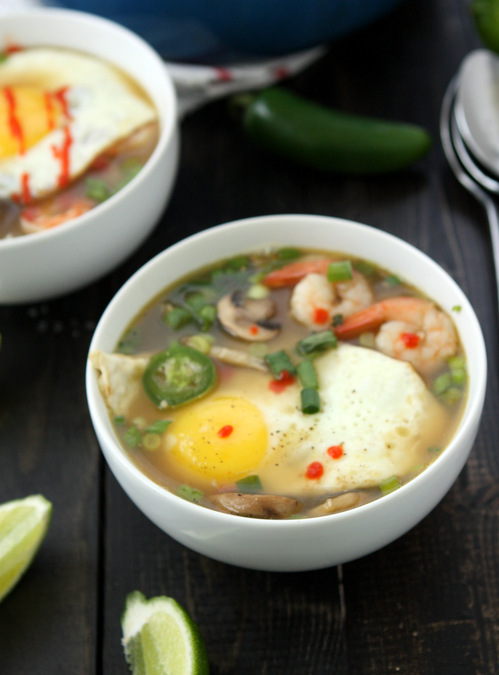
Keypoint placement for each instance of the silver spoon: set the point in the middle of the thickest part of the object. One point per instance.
(467, 171)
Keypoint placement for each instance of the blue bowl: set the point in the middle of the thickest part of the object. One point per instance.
(211, 31)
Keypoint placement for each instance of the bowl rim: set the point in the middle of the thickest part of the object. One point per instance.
(168, 123)
(470, 417)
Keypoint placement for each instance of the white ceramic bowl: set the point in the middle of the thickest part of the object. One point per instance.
(44, 265)
(305, 544)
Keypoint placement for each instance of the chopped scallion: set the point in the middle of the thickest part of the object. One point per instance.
(279, 361)
(151, 441)
(158, 427)
(288, 253)
(389, 484)
(249, 484)
(310, 401)
(441, 383)
(392, 280)
(133, 437)
(316, 342)
(307, 374)
(190, 493)
(339, 271)
(119, 420)
(96, 189)
(176, 317)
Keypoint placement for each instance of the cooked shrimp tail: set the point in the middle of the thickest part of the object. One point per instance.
(408, 328)
(291, 274)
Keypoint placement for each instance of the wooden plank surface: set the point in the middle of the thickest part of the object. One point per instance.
(428, 603)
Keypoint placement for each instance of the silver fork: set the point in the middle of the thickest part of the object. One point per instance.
(467, 171)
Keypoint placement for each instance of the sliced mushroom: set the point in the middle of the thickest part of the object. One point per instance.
(236, 357)
(247, 318)
(341, 502)
(256, 506)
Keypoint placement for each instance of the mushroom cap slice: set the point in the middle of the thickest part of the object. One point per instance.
(256, 505)
(247, 318)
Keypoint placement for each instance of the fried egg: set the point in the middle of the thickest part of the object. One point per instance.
(59, 110)
(376, 409)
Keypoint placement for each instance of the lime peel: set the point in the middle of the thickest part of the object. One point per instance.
(23, 526)
(160, 638)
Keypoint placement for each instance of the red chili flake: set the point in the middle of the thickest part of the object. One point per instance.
(335, 451)
(321, 315)
(14, 124)
(284, 380)
(314, 470)
(411, 340)
(225, 431)
(254, 329)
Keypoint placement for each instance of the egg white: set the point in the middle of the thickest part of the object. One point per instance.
(103, 104)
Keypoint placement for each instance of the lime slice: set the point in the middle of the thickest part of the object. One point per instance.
(160, 638)
(23, 526)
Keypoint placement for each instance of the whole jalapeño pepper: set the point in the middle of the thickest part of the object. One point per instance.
(325, 139)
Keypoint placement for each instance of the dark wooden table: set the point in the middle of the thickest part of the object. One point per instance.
(429, 602)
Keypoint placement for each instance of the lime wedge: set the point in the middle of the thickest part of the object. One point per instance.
(160, 638)
(23, 526)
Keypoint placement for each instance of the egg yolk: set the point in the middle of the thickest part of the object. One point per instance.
(222, 439)
(27, 114)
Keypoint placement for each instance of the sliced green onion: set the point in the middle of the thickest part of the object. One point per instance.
(364, 267)
(310, 401)
(119, 420)
(317, 341)
(190, 493)
(176, 317)
(307, 374)
(240, 262)
(441, 383)
(434, 449)
(339, 271)
(279, 361)
(151, 441)
(158, 427)
(129, 342)
(202, 343)
(288, 253)
(133, 437)
(206, 316)
(389, 484)
(258, 291)
(392, 280)
(249, 484)
(96, 189)
(451, 395)
(196, 301)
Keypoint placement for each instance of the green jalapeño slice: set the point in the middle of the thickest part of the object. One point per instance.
(178, 375)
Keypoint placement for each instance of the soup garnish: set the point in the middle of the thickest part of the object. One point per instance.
(286, 383)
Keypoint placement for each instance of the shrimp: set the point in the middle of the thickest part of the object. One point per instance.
(291, 274)
(411, 329)
(36, 219)
(315, 300)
